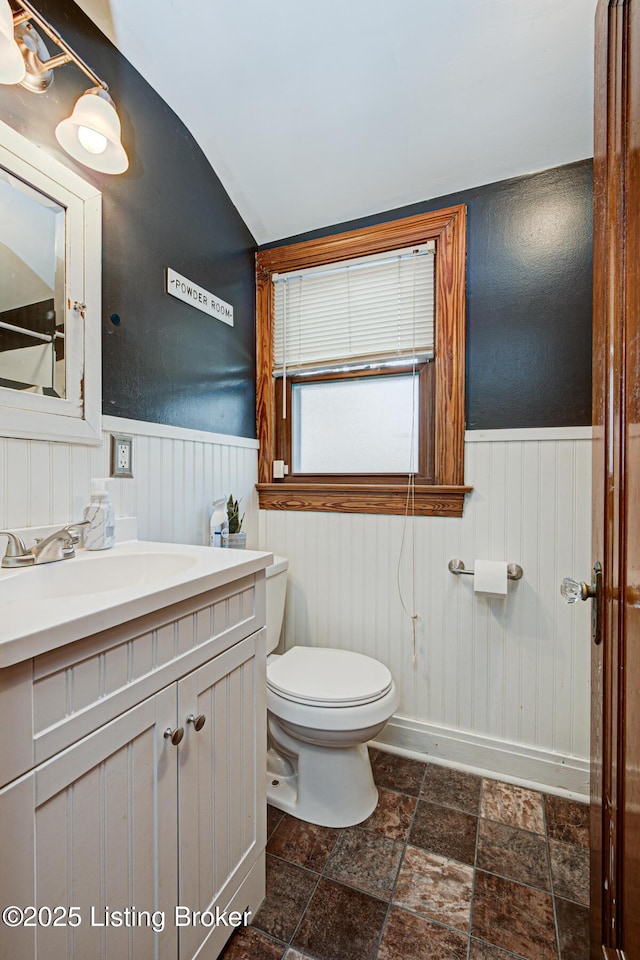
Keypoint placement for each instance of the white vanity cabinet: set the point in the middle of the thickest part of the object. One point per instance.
(102, 812)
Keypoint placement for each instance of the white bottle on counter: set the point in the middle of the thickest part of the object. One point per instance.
(101, 532)
(217, 522)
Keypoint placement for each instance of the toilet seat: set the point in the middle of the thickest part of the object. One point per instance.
(324, 677)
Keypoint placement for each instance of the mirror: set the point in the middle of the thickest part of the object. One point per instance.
(32, 282)
(50, 297)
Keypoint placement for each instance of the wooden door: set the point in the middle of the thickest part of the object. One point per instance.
(222, 784)
(96, 828)
(615, 872)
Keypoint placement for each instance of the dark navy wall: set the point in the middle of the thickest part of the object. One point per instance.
(528, 270)
(166, 362)
(529, 265)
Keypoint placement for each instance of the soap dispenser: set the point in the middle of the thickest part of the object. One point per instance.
(101, 532)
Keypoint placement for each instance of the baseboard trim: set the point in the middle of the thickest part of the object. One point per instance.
(496, 759)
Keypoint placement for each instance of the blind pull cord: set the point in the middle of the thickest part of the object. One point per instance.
(284, 351)
(410, 509)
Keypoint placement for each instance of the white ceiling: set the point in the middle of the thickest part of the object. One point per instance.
(312, 113)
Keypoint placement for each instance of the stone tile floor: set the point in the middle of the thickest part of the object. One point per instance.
(449, 866)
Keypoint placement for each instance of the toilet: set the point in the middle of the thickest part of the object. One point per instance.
(323, 705)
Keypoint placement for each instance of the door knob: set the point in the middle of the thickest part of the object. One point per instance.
(198, 722)
(574, 590)
(174, 735)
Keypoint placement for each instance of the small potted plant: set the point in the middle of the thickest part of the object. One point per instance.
(234, 535)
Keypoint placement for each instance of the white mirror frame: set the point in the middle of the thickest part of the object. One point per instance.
(77, 417)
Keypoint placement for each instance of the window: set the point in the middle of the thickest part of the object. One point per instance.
(377, 418)
(361, 368)
(363, 426)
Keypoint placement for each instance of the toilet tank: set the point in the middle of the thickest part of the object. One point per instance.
(276, 586)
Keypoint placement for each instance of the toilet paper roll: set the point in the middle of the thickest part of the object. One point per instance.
(490, 576)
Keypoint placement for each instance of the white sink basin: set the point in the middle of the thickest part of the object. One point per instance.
(94, 573)
(48, 605)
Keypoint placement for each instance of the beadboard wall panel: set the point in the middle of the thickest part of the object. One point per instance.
(504, 682)
(511, 673)
(177, 474)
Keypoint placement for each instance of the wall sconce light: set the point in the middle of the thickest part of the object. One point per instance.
(91, 134)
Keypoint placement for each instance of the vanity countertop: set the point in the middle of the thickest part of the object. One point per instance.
(52, 604)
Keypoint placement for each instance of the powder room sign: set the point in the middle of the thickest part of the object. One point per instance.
(199, 298)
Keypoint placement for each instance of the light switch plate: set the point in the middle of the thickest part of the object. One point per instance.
(121, 456)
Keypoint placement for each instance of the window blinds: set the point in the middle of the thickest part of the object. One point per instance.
(366, 309)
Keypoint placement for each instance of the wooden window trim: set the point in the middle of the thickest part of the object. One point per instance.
(443, 497)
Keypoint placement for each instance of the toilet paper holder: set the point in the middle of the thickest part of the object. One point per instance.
(514, 570)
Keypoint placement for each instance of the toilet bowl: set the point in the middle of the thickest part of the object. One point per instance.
(323, 706)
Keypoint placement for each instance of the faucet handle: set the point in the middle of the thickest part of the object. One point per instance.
(15, 544)
(16, 554)
(73, 529)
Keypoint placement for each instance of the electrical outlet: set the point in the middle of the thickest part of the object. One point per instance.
(121, 456)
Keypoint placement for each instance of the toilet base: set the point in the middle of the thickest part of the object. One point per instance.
(329, 786)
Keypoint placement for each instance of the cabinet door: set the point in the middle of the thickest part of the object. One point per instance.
(95, 828)
(222, 782)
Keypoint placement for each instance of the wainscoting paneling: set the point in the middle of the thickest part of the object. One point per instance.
(499, 685)
(177, 474)
(511, 673)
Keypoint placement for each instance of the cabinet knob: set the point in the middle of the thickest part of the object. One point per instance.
(198, 722)
(174, 735)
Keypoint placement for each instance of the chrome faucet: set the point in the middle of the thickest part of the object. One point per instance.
(59, 545)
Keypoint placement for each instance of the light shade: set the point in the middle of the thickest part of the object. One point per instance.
(94, 117)
(12, 69)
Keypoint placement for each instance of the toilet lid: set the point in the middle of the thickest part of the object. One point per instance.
(326, 677)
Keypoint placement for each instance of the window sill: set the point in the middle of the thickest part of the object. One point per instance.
(430, 501)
